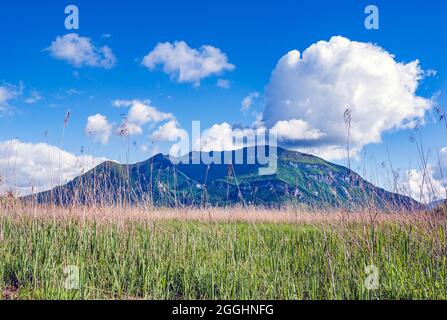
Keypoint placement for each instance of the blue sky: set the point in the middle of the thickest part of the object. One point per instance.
(253, 35)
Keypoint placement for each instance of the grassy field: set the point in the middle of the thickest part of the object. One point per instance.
(218, 254)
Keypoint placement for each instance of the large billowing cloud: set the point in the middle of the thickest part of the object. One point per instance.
(81, 51)
(186, 64)
(28, 167)
(311, 92)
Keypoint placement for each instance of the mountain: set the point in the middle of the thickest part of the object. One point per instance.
(299, 179)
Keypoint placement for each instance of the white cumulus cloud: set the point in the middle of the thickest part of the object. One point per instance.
(216, 138)
(29, 167)
(171, 132)
(186, 64)
(423, 186)
(140, 113)
(99, 128)
(296, 130)
(225, 137)
(329, 77)
(428, 184)
(81, 51)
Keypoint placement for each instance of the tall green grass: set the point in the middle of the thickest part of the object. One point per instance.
(196, 260)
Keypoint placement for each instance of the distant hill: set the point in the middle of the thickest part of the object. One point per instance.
(300, 179)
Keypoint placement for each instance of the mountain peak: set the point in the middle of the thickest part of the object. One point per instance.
(299, 178)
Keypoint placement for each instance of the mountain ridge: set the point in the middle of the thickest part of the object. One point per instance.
(300, 179)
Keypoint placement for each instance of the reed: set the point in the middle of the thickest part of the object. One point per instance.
(243, 253)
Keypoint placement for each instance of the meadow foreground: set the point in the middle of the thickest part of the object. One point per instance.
(230, 253)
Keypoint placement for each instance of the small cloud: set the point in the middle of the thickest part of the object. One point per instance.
(248, 101)
(106, 36)
(222, 83)
(140, 113)
(423, 185)
(144, 148)
(99, 128)
(171, 132)
(8, 93)
(430, 73)
(80, 51)
(33, 98)
(185, 64)
(73, 92)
